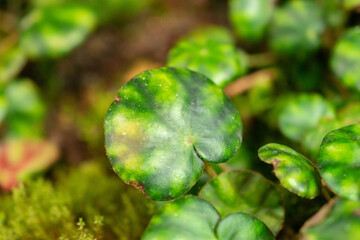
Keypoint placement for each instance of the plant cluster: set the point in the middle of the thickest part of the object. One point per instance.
(249, 131)
(168, 124)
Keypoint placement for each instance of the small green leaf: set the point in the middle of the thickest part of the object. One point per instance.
(339, 219)
(345, 59)
(54, 30)
(313, 137)
(251, 17)
(211, 52)
(339, 161)
(296, 28)
(241, 226)
(21, 158)
(302, 113)
(249, 192)
(193, 218)
(294, 171)
(164, 123)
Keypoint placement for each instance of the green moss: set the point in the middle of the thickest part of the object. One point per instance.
(83, 204)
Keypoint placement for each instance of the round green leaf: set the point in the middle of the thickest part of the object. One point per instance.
(250, 17)
(55, 30)
(210, 52)
(193, 218)
(241, 226)
(339, 219)
(294, 171)
(162, 126)
(185, 218)
(296, 28)
(345, 60)
(313, 137)
(302, 113)
(339, 161)
(242, 191)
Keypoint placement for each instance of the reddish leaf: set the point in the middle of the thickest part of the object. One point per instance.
(21, 158)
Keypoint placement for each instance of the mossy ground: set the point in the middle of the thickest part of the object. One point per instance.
(85, 203)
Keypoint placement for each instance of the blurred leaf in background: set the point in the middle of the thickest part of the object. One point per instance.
(296, 25)
(12, 60)
(250, 18)
(54, 30)
(26, 110)
(210, 51)
(339, 219)
(20, 159)
(303, 112)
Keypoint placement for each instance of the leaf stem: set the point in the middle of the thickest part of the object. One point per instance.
(210, 170)
(225, 167)
(325, 193)
(247, 82)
